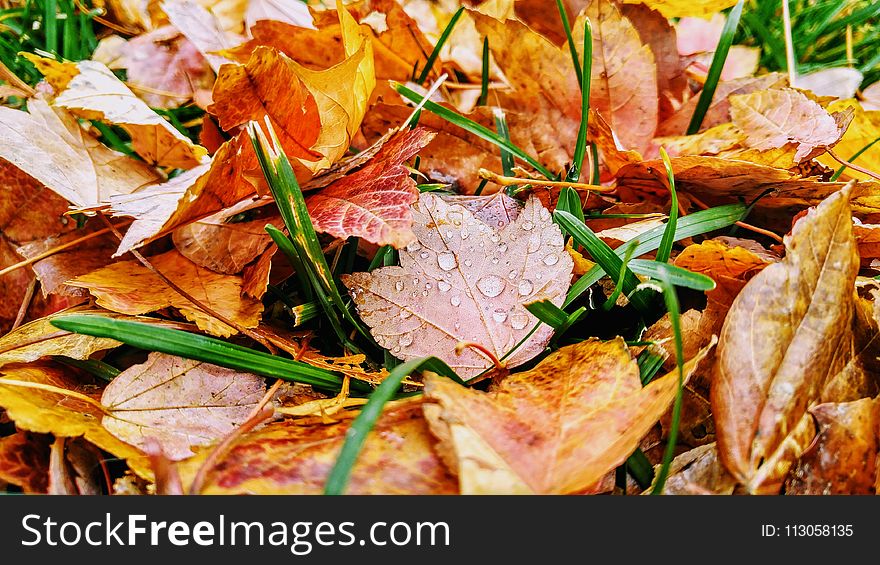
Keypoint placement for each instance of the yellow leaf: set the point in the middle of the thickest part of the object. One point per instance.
(685, 8)
(864, 128)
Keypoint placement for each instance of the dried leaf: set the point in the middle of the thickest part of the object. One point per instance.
(864, 129)
(397, 458)
(839, 82)
(684, 8)
(373, 202)
(464, 281)
(555, 429)
(92, 92)
(771, 119)
(842, 458)
(24, 461)
(202, 28)
(792, 324)
(178, 402)
(699, 471)
(129, 287)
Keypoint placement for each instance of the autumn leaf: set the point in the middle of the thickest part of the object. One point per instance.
(92, 92)
(202, 28)
(283, 457)
(555, 429)
(699, 471)
(24, 461)
(792, 324)
(131, 288)
(178, 402)
(374, 201)
(463, 280)
(842, 458)
(50, 410)
(685, 8)
(863, 130)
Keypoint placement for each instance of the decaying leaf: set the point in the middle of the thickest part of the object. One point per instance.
(178, 402)
(24, 461)
(843, 457)
(555, 429)
(397, 458)
(131, 288)
(463, 280)
(699, 471)
(791, 326)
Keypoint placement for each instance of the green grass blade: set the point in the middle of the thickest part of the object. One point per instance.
(506, 155)
(549, 313)
(201, 348)
(484, 77)
(675, 275)
(640, 468)
(649, 365)
(50, 25)
(580, 146)
(473, 127)
(594, 154)
(697, 223)
(569, 201)
(665, 249)
(671, 300)
(571, 46)
(99, 369)
(432, 58)
(337, 480)
(715, 69)
(618, 288)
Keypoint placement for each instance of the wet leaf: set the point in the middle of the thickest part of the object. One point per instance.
(178, 402)
(129, 287)
(463, 280)
(555, 429)
(792, 323)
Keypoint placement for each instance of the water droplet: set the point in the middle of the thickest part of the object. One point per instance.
(494, 260)
(424, 293)
(396, 349)
(404, 314)
(499, 316)
(545, 215)
(464, 234)
(399, 285)
(502, 248)
(519, 320)
(424, 254)
(495, 238)
(500, 223)
(449, 234)
(455, 217)
(447, 261)
(539, 276)
(525, 287)
(534, 242)
(457, 326)
(405, 340)
(468, 263)
(491, 285)
(551, 259)
(413, 247)
(444, 286)
(428, 286)
(455, 300)
(527, 225)
(512, 275)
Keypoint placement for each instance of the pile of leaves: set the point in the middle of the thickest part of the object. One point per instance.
(423, 247)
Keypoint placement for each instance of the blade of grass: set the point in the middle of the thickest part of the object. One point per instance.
(484, 77)
(640, 468)
(569, 201)
(506, 156)
(852, 159)
(50, 25)
(432, 58)
(580, 146)
(675, 275)
(201, 348)
(473, 127)
(571, 47)
(665, 249)
(549, 313)
(715, 68)
(337, 480)
(671, 300)
(618, 288)
(99, 369)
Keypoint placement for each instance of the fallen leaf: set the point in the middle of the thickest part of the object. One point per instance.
(63, 415)
(699, 471)
(864, 129)
(73, 468)
(24, 461)
(178, 402)
(685, 8)
(129, 287)
(202, 28)
(92, 92)
(842, 458)
(464, 281)
(398, 457)
(839, 82)
(773, 118)
(791, 322)
(555, 429)
(296, 13)
(374, 201)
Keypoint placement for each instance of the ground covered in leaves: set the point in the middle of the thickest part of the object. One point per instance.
(431, 247)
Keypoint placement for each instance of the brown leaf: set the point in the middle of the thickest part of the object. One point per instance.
(463, 280)
(24, 461)
(771, 119)
(843, 457)
(397, 458)
(555, 429)
(699, 471)
(129, 287)
(178, 402)
(791, 323)
(202, 28)
(374, 201)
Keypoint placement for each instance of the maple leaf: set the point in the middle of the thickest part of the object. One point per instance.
(374, 201)
(129, 287)
(91, 91)
(24, 461)
(842, 458)
(54, 150)
(55, 412)
(792, 322)
(284, 457)
(463, 280)
(555, 429)
(178, 402)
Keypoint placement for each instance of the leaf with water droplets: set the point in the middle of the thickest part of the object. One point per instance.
(464, 280)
